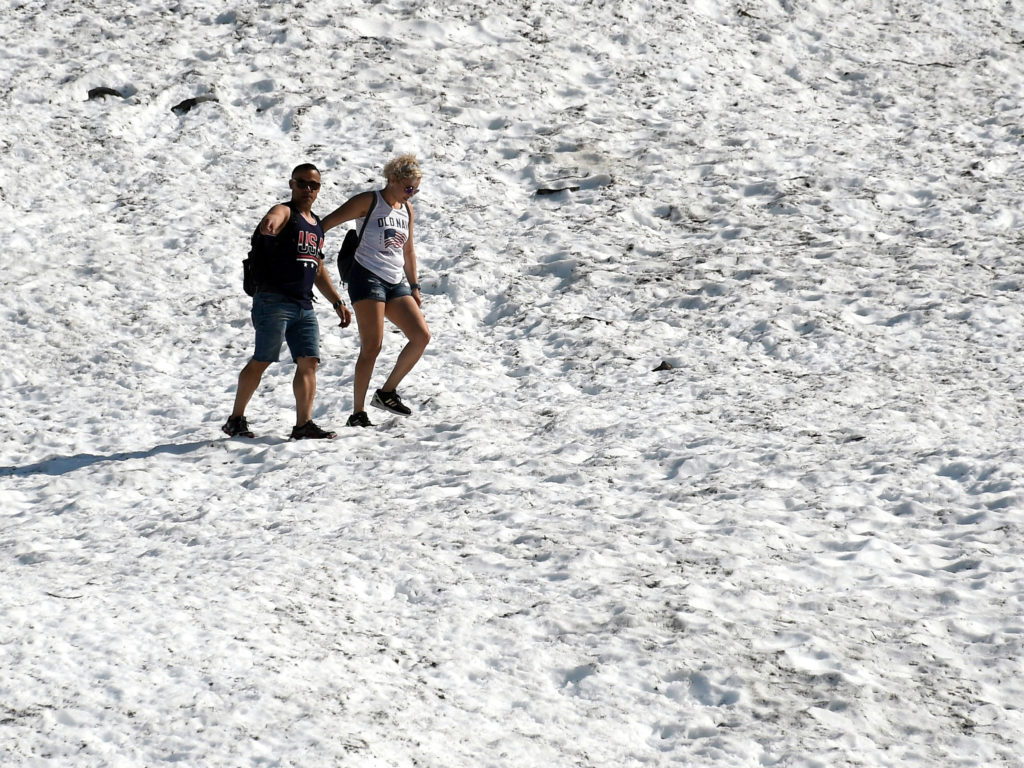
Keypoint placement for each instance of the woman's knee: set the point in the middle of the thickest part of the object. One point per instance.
(421, 337)
(370, 351)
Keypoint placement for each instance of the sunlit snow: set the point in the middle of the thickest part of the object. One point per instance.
(715, 458)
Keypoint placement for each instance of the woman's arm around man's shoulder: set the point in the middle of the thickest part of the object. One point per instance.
(353, 208)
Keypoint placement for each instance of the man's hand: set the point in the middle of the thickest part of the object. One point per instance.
(345, 314)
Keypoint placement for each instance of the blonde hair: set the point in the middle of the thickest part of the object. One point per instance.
(402, 167)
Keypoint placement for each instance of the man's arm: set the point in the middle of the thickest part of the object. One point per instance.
(325, 285)
(275, 220)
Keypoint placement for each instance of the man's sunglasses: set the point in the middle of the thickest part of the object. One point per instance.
(410, 191)
(303, 184)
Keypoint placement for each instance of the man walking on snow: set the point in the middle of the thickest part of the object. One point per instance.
(288, 261)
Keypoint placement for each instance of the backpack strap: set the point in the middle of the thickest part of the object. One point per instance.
(291, 225)
(373, 207)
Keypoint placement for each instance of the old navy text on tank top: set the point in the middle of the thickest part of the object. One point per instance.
(382, 249)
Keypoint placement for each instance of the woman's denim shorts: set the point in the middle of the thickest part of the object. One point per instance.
(364, 284)
(278, 319)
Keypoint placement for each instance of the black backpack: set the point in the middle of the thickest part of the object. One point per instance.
(253, 267)
(347, 254)
(264, 249)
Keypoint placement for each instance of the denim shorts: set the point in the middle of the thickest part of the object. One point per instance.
(278, 319)
(364, 284)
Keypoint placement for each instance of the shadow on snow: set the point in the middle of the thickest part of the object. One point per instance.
(62, 465)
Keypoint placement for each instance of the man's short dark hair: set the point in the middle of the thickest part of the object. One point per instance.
(304, 167)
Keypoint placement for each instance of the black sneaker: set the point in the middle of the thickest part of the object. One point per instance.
(359, 419)
(236, 426)
(389, 401)
(310, 431)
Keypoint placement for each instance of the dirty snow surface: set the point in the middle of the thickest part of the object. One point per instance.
(715, 457)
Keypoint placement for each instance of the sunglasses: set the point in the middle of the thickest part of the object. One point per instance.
(303, 184)
(410, 191)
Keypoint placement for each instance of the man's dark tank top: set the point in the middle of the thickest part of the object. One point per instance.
(297, 259)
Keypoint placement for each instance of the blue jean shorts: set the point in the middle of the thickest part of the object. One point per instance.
(364, 284)
(277, 319)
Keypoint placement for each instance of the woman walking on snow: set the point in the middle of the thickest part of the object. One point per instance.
(384, 257)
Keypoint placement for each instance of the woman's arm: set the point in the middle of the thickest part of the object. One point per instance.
(411, 268)
(353, 208)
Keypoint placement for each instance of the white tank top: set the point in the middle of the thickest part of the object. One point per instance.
(381, 249)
